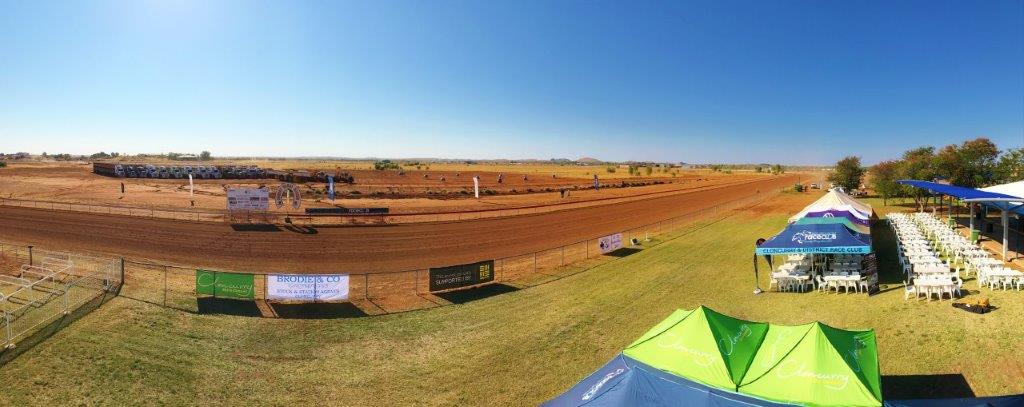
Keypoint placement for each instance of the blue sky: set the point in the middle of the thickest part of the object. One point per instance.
(799, 82)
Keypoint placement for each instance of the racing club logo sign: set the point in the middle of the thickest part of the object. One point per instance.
(807, 236)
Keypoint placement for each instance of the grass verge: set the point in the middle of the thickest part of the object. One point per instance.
(518, 348)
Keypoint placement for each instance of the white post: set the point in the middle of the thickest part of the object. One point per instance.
(476, 187)
(1006, 231)
(971, 204)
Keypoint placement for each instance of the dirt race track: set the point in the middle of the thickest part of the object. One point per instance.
(366, 249)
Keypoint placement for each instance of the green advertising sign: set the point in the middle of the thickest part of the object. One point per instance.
(224, 285)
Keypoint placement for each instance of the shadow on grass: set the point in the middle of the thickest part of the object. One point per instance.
(478, 293)
(318, 310)
(48, 330)
(938, 386)
(623, 252)
(884, 245)
(222, 306)
(247, 227)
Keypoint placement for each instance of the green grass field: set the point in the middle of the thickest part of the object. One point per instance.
(519, 348)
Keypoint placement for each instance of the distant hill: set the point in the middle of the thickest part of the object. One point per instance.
(588, 160)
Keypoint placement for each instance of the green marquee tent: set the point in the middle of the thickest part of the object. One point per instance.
(812, 364)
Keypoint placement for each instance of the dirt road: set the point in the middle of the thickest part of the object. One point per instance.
(364, 249)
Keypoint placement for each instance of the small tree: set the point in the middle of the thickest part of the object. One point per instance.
(883, 180)
(649, 170)
(918, 164)
(204, 156)
(3, 164)
(970, 164)
(848, 173)
(1010, 167)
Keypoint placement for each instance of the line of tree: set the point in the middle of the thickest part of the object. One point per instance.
(974, 163)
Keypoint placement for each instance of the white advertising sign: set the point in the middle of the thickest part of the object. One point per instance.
(610, 243)
(307, 287)
(253, 199)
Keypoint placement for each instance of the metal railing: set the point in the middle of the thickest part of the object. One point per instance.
(174, 286)
(284, 216)
(48, 286)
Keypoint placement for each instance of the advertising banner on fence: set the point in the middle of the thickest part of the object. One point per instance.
(347, 211)
(251, 199)
(330, 187)
(224, 285)
(307, 287)
(464, 275)
(610, 243)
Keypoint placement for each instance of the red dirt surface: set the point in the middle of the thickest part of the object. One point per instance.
(411, 193)
(367, 249)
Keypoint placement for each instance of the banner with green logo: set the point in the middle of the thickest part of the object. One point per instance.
(224, 285)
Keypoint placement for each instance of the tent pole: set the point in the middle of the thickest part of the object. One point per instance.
(971, 204)
(757, 280)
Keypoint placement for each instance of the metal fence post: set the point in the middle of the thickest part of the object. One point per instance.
(165, 285)
(67, 301)
(534, 262)
(30, 255)
(366, 286)
(10, 336)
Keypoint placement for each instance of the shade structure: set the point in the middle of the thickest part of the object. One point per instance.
(842, 212)
(836, 200)
(831, 238)
(815, 364)
(701, 345)
(703, 358)
(839, 220)
(625, 381)
(998, 196)
(964, 193)
(1012, 189)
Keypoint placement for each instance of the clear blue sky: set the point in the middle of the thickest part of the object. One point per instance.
(696, 81)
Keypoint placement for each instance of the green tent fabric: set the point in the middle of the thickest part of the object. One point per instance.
(701, 345)
(816, 364)
(862, 229)
(812, 364)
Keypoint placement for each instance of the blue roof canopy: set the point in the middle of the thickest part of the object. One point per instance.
(825, 238)
(956, 191)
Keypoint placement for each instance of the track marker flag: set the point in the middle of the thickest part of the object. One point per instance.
(330, 187)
